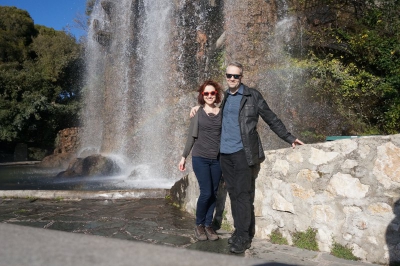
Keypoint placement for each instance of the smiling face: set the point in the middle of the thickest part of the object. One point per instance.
(208, 98)
(233, 83)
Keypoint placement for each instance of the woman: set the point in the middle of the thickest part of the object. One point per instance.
(204, 137)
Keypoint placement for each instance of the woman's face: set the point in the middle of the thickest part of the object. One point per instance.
(208, 97)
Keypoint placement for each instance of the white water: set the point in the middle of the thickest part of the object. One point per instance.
(125, 105)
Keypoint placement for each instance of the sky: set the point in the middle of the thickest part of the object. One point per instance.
(56, 14)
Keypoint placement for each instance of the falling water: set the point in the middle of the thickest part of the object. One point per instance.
(107, 92)
(153, 90)
(144, 64)
(282, 78)
(126, 93)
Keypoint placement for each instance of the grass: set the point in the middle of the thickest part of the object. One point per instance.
(306, 240)
(343, 252)
(59, 198)
(277, 238)
(225, 224)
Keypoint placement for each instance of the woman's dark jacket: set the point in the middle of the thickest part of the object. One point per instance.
(252, 106)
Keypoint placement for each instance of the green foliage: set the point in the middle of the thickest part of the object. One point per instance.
(277, 238)
(225, 223)
(343, 252)
(36, 154)
(306, 240)
(39, 79)
(354, 63)
(16, 29)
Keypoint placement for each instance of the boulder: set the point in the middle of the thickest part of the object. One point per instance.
(66, 146)
(59, 160)
(93, 165)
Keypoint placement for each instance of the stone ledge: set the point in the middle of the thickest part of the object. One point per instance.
(75, 195)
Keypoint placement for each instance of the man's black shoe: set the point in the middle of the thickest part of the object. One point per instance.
(240, 245)
(232, 238)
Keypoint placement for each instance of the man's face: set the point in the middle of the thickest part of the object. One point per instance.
(233, 83)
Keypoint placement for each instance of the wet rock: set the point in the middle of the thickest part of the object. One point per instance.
(67, 143)
(107, 6)
(103, 37)
(178, 191)
(59, 160)
(93, 165)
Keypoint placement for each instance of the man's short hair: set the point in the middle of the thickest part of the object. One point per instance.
(238, 65)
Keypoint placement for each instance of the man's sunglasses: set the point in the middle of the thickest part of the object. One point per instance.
(206, 93)
(233, 75)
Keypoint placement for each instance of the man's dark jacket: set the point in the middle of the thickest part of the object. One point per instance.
(252, 106)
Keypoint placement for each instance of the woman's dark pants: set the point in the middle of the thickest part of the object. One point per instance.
(208, 174)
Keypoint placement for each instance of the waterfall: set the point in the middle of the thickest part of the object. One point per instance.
(127, 104)
(145, 61)
(153, 89)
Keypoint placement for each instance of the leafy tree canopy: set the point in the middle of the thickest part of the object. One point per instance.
(16, 32)
(354, 60)
(39, 79)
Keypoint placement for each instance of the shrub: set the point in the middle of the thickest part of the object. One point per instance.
(277, 238)
(306, 240)
(343, 252)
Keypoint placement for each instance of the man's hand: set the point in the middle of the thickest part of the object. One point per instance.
(193, 111)
(298, 142)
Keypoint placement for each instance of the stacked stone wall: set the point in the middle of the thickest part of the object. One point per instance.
(67, 141)
(348, 190)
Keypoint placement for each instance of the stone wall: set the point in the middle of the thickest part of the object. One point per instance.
(348, 190)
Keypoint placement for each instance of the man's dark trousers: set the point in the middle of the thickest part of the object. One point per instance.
(239, 179)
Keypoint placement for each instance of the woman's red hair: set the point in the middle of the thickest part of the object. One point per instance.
(200, 97)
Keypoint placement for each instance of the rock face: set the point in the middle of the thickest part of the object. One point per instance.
(348, 190)
(94, 165)
(67, 144)
(67, 140)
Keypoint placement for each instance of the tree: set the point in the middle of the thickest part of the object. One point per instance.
(39, 81)
(16, 31)
(354, 60)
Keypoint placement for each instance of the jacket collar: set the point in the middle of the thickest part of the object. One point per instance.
(245, 90)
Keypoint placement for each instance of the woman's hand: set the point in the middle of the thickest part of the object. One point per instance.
(193, 111)
(182, 164)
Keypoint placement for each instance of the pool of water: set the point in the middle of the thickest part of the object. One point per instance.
(31, 177)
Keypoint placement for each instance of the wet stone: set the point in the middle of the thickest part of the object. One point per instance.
(138, 229)
(122, 235)
(167, 239)
(30, 223)
(148, 220)
(65, 226)
(218, 246)
(108, 232)
(100, 224)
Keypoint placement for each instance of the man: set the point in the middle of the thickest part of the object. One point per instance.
(241, 151)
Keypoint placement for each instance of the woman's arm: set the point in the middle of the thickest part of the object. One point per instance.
(192, 135)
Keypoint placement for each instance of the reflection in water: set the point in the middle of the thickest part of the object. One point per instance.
(35, 178)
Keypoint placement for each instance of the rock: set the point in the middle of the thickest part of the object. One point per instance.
(60, 160)
(74, 169)
(67, 143)
(67, 140)
(94, 165)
